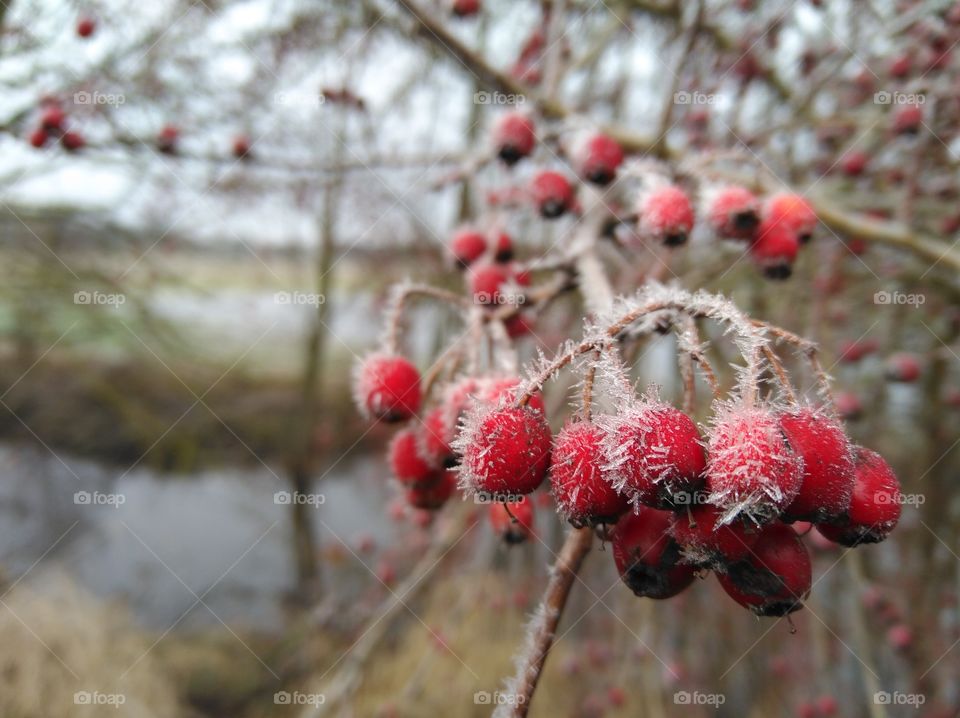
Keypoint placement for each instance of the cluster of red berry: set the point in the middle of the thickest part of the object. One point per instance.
(679, 503)
(52, 124)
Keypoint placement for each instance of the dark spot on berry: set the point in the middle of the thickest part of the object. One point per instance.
(510, 155)
(600, 176)
(552, 208)
(805, 237)
(778, 271)
(504, 255)
(675, 239)
(746, 221)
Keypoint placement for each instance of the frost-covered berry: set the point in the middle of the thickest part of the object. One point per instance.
(751, 471)
(433, 495)
(493, 285)
(654, 455)
(513, 137)
(874, 507)
(506, 451)
(666, 215)
(597, 157)
(501, 390)
(647, 556)
(903, 367)
(733, 212)
(707, 542)
(828, 470)
(552, 194)
(512, 521)
(582, 492)
(775, 578)
(406, 463)
(387, 387)
(774, 249)
(794, 212)
(467, 246)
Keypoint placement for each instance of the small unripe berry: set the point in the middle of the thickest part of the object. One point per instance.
(751, 470)
(734, 212)
(647, 556)
(903, 367)
(387, 387)
(875, 505)
(654, 455)
(774, 249)
(86, 26)
(552, 194)
(467, 246)
(506, 451)
(666, 215)
(707, 542)
(582, 492)
(433, 495)
(828, 469)
(794, 212)
(512, 521)
(597, 158)
(72, 141)
(513, 137)
(775, 578)
(407, 465)
(907, 120)
(38, 138)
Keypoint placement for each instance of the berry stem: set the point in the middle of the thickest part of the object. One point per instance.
(544, 625)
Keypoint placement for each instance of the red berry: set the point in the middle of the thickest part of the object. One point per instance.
(903, 368)
(874, 507)
(582, 492)
(167, 139)
(707, 542)
(775, 578)
(519, 325)
(900, 637)
(433, 440)
(72, 141)
(666, 215)
(39, 137)
(52, 118)
(907, 120)
(774, 249)
(433, 495)
(387, 387)
(465, 8)
(241, 147)
(86, 26)
(597, 158)
(512, 521)
(467, 246)
(794, 212)
(654, 454)
(901, 66)
(406, 463)
(828, 470)
(854, 163)
(552, 194)
(647, 556)
(827, 705)
(513, 137)
(498, 390)
(734, 212)
(493, 285)
(503, 251)
(506, 451)
(751, 470)
(849, 406)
